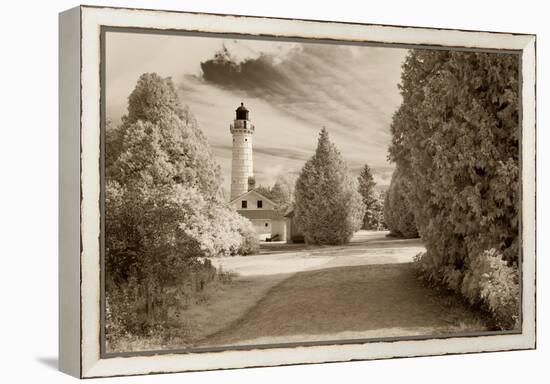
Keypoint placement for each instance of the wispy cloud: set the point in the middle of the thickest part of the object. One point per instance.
(291, 89)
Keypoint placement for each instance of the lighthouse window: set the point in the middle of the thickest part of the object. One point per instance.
(245, 139)
(243, 204)
(259, 203)
(267, 224)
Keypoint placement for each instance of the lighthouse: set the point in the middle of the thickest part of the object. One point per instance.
(242, 162)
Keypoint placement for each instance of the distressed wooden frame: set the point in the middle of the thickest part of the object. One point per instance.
(79, 190)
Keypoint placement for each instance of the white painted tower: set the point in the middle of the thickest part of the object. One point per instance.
(242, 162)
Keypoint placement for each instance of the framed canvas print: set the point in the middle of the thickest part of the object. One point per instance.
(244, 191)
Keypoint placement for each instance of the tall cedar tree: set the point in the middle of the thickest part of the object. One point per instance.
(328, 207)
(455, 137)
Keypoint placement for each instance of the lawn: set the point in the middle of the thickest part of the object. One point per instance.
(368, 301)
(295, 293)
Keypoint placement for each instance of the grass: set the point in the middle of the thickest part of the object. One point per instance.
(215, 308)
(294, 293)
(369, 301)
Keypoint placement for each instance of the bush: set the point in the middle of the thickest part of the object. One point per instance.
(490, 281)
(249, 238)
(487, 281)
(131, 320)
(398, 214)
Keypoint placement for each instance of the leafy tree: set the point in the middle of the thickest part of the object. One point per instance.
(153, 98)
(371, 220)
(328, 207)
(264, 190)
(163, 211)
(455, 138)
(281, 193)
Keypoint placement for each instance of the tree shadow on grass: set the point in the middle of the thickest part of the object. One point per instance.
(351, 299)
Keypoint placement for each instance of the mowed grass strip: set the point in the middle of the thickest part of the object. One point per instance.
(350, 302)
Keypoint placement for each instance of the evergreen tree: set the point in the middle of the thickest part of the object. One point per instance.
(455, 138)
(366, 189)
(398, 213)
(328, 207)
(378, 210)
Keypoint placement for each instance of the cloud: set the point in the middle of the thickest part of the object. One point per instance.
(291, 89)
(353, 89)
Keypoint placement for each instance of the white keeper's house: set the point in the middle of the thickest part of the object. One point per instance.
(268, 222)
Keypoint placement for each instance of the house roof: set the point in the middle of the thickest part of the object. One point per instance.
(261, 214)
(252, 191)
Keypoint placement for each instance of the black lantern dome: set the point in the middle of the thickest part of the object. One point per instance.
(242, 112)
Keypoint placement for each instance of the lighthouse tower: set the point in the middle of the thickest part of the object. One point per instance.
(242, 162)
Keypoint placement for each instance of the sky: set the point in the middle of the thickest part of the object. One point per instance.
(292, 90)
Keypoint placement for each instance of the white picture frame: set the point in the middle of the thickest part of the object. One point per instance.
(80, 203)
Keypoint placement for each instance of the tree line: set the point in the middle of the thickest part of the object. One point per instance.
(455, 145)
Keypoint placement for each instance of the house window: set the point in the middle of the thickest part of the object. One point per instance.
(243, 204)
(259, 204)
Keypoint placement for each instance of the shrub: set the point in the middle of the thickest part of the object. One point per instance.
(487, 281)
(490, 281)
(130, 323)
(249, 238)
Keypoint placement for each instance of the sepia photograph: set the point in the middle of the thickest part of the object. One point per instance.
(283, 192)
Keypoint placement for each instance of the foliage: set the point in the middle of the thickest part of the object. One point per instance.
(487, 281)
(163, 208)
(153, 98)
(398, 213)
(455, 139)
(378, 211)
(251, 183)
(249, 244)
(128, 319)
(373, 208)
(281, 193)
(328, 208)
(490, 281)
